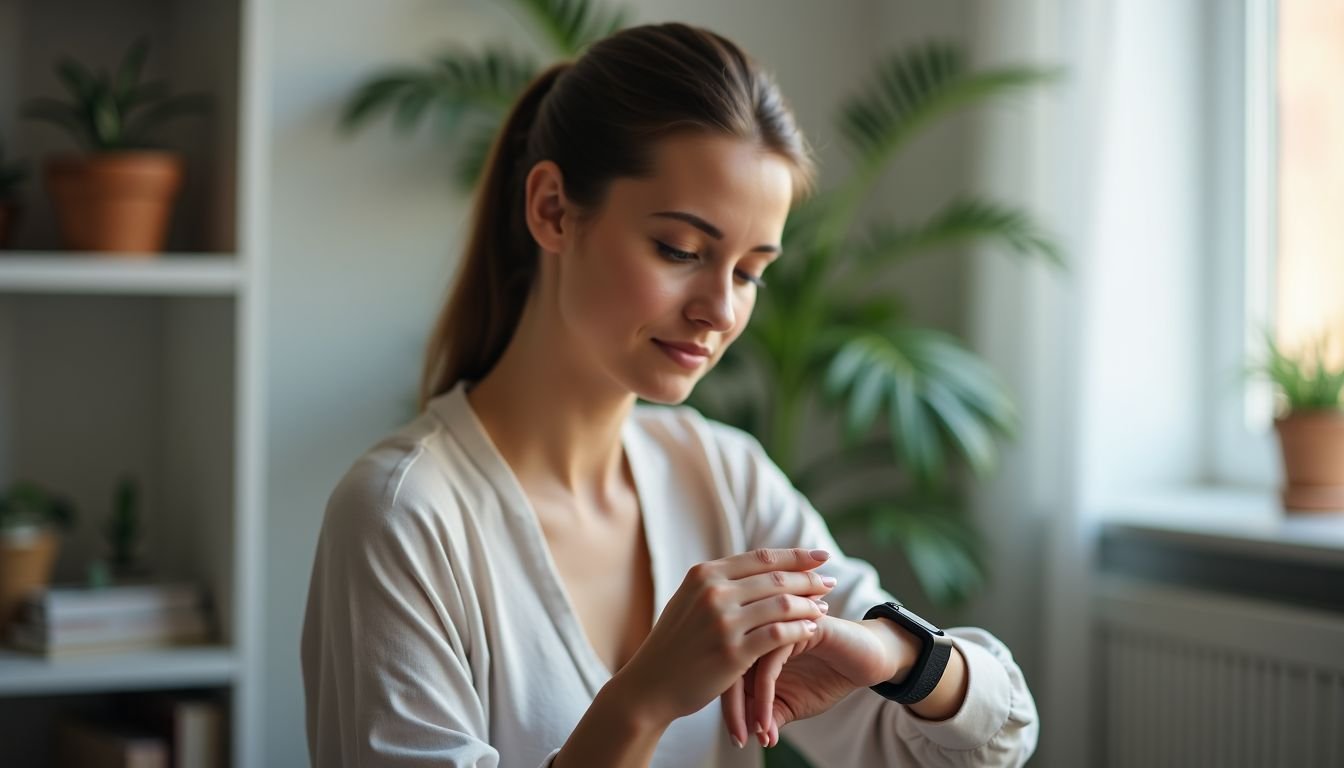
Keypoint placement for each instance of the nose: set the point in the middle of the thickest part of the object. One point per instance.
(712, 305)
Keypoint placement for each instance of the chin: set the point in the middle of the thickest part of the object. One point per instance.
(666, 392)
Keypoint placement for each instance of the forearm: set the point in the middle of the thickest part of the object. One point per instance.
(613, 732)
(947, 698)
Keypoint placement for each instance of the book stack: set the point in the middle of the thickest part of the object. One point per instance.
(68, 621)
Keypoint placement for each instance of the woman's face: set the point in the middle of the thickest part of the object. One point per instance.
(655, 285)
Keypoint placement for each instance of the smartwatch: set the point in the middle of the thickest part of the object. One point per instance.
(936, 648)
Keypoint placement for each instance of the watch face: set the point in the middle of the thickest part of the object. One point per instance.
(916, 618)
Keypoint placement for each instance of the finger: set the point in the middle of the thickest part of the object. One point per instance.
(764, 639)
(735, 711)
(777, 608)
(766, 560)
(767, 671)
(807, 583)
(774, 734)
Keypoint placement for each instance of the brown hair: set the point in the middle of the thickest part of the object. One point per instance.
(598, 118)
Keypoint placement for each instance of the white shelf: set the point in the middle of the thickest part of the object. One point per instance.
(169, 274)
(29, 674)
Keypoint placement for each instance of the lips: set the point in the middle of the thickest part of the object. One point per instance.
(690, 348)
(690, 356)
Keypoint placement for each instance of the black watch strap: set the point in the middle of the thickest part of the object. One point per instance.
(934, 653)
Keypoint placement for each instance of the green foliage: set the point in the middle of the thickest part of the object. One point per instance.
(570, 25)
(913, 403)
(109, 111)
(123, 529)
(11, 176)
(1303, 382)
(24, 504)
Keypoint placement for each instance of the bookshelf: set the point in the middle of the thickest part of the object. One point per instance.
(169, 275)
(147, 366)
(23, 674)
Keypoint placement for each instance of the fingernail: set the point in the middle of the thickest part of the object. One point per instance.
(820, 554)
(764, 739)
(828, 581)
(823, 605)
(738, 742)
(759, 727)
(811, 625)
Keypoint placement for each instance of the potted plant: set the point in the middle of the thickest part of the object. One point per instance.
(30, 518)
(124, 528)
(11, 176)
(118, 196)
(1310, 426)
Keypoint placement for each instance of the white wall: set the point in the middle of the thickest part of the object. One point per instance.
(363, 236)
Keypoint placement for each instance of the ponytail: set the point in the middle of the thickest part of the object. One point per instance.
(496, 273)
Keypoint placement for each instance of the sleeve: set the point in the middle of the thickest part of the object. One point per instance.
(996, 725)
(387, 664)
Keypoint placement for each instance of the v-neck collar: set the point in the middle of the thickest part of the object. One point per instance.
(532, 540)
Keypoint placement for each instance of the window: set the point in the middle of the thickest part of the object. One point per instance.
(1277, 227)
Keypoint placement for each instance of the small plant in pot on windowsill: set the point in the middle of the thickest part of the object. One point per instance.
(11, 177)
(118, 196)
(31, 519)
(1310, 425)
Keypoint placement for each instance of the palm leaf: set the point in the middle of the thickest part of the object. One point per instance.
(961, 221)
(941, 545)
(474, 152)
(927, 381)
(455, 82)
(914, 89)
(570, 25)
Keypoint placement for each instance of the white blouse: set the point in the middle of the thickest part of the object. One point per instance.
(438, 631)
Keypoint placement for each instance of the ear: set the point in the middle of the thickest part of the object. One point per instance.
(546, 207)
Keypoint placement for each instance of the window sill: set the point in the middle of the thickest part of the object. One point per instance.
(1231, 540)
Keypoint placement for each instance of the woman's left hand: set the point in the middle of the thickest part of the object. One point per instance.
(800, 681)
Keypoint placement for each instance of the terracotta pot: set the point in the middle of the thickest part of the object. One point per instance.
(117, 202)
(26, 559)
(9, 219)
(1313, 460)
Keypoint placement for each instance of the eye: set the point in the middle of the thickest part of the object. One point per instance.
(759, 282)
(682, 257)
(673, 254)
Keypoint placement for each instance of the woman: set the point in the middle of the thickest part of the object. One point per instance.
(537, 572)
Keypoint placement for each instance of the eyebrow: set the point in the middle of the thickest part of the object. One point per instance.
(707, 228)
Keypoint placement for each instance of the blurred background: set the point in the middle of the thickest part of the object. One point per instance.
(1109, 230)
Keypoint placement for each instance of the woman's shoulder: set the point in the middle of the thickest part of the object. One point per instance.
(404, 477)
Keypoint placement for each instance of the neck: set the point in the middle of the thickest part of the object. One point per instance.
(555, 419)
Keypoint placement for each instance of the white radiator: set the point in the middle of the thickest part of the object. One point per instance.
(1190, 679)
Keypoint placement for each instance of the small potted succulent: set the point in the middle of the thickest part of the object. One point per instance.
(1310, 425)
(117, 197)
(11, 176)
(30, 520)
(124, 528)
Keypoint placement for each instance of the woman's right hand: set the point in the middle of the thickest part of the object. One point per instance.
(726, 614)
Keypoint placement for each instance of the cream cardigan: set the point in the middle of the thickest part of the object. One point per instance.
(438, 632)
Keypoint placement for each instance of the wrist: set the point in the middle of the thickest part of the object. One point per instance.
(617, 730)
(628, 704)
(901, 648)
